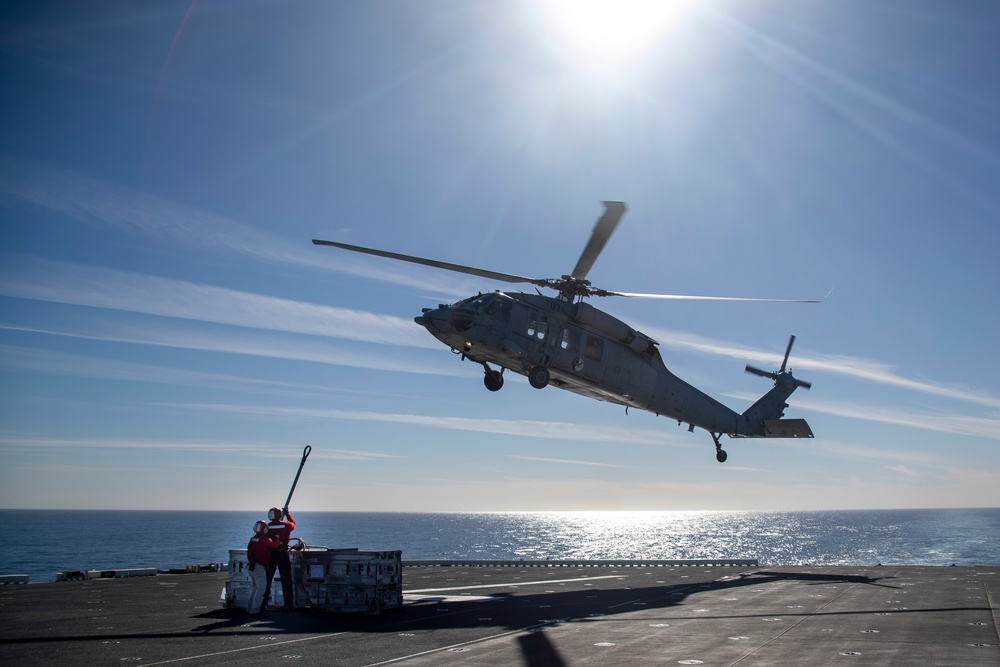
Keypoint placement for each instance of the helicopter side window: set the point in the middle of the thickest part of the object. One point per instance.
(594, 349)
(570, 339)
(538, 325)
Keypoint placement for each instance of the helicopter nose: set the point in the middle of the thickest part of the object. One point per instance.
(432, 320)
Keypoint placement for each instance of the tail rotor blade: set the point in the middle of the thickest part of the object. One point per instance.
(788, 350)
(756, 371)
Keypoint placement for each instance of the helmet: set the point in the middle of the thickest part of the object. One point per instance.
(273, 514)
(260, 528)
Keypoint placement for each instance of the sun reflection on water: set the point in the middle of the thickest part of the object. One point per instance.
(771, 537)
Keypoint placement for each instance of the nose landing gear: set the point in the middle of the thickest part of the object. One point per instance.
(493, 379)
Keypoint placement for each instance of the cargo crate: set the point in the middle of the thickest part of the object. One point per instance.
(336, 580)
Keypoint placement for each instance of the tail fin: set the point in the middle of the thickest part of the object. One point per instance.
(763, 419)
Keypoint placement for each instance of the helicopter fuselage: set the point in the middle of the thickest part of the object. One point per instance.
(584, 350)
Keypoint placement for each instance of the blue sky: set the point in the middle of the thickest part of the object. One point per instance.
(170, 338)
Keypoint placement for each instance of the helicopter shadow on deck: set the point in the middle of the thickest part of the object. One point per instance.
(527, 609)
(526, 614)
(521, 610)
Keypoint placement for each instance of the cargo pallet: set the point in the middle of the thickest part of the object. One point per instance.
(334, 580)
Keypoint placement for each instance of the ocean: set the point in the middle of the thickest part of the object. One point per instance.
(51, 541)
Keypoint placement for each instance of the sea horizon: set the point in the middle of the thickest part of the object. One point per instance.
(82, 539)
(497, 511)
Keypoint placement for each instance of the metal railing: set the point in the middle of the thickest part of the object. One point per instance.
(709, 562)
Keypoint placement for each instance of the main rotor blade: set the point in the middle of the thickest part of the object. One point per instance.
(685, 297)
(613, 211)
(471, 270)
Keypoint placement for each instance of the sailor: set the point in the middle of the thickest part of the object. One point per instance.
(259, 550)
(280, 526)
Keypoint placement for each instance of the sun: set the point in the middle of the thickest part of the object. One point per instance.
(603, 34)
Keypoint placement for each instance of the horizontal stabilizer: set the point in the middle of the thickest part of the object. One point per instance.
(787, 428)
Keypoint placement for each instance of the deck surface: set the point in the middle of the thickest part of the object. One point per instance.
(533, 616)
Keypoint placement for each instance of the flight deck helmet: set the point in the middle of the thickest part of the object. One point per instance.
(273, 514)
(260, 528)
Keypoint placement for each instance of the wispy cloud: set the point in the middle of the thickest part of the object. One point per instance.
(34, 360)
(96, 287)
(930, 420)
(983, 427)
(887, 455)
(11, 441)
(250, 343)
(565, 461)
(855, 367)
(518, 428)
(114, 207)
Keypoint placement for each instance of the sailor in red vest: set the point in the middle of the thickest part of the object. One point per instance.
(280, 526)
(259, 550)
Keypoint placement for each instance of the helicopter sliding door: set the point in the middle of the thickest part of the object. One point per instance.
(581, 353)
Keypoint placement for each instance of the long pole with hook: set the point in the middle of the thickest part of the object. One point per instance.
(305, 455)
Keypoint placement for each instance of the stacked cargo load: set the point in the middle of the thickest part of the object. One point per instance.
(348, 580)
(337, 580)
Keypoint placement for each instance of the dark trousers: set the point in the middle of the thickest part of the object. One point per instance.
(280, 561)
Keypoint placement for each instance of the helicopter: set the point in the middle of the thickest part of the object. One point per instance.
(567, 343)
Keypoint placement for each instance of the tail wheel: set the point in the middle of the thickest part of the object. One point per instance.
(538, 377)
(720, 453)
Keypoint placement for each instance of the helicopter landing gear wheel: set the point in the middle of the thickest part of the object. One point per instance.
(493, 380)
(720, 453)
(538, 377)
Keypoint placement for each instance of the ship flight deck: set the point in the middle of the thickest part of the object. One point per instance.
(534, 616)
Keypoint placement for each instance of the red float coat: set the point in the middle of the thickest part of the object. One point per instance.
(260, 547)
(281, 529)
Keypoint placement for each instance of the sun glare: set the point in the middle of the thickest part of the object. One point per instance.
(609, 33)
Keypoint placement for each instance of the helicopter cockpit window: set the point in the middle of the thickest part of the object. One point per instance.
(463, 318)
(499, 309)
(570, 339)
(594, 349)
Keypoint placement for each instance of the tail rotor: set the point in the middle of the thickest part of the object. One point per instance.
(781, 376)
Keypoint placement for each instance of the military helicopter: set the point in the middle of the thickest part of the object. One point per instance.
(568, 343)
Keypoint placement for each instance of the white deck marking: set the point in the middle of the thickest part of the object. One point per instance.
(245, 648)
(461, 644)
(516, 583)
(417, 597)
